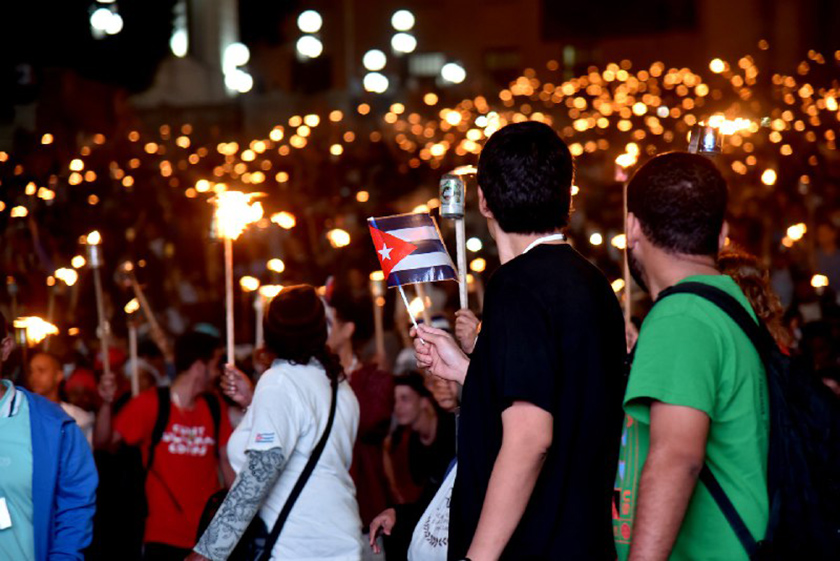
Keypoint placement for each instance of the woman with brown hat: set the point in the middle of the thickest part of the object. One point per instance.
(293, 449)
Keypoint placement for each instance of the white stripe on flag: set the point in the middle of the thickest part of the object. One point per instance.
(422, 261)
(415, 234)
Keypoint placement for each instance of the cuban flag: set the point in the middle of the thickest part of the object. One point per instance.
(410, 249)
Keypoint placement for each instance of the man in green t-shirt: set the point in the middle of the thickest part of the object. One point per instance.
(697, 390)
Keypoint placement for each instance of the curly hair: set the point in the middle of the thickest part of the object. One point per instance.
(754, 281)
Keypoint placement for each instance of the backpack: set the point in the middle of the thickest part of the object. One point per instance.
(804, 453)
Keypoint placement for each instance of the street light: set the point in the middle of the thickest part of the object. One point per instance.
(374, 60)
(375, 82)
(310, 21)
(402, 20)
(403, 42)
(453, 72)
(309, 46)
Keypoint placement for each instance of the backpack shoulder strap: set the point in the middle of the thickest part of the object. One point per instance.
(216, 413)
(162, 419)
(729, 511)
(302, 479)
(758, 335)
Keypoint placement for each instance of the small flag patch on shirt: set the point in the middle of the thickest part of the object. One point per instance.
(264, 438)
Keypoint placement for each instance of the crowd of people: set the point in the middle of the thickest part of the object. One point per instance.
(545, 426)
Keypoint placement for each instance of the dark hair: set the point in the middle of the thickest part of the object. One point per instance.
(356, 309)
(295, 329)
(416, 382)
(525, 172)
(4, 329)
(194, 346)
(680, 200)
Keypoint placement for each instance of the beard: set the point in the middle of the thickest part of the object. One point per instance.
(637, 270)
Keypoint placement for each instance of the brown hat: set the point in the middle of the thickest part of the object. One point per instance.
(296, 319)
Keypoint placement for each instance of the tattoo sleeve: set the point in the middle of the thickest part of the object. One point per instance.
(242, 503)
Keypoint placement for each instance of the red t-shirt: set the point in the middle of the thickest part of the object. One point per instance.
(186, 466)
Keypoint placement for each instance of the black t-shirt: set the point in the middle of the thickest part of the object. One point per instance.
(552, 335)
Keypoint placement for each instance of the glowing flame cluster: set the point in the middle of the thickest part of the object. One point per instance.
(37, 329)
(132, 306)
(67, 276)
(235, 211)
(269, 291)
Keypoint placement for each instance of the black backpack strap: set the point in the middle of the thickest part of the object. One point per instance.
(758, 335)
(729, 511)
(301, 482)
(216, 413)
(162, 419)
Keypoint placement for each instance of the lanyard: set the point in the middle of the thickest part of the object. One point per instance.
(545, 239)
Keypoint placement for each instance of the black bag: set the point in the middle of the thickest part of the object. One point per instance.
(256, 543)
(804, 456)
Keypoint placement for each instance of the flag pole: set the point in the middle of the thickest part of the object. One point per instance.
(410, 315)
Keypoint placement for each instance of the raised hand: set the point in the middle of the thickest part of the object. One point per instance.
(237, 386)
(439, 353)
(466, 329)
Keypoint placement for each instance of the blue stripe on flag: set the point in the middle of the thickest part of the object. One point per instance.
(401, 221)
(426, 274)
(428, 246)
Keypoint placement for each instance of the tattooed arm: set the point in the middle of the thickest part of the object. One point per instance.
(242, 503)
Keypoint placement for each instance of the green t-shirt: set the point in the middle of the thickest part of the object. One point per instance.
(691, 354)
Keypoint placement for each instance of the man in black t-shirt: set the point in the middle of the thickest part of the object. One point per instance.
(541, 409)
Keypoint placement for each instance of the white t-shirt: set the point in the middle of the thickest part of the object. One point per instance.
(430, 541)
(290, 410)
(85, 419)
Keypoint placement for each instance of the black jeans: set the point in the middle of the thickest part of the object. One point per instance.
(163, 552)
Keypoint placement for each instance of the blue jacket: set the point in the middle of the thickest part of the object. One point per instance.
(64, 481)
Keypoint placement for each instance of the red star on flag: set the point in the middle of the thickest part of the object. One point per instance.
(390, 249)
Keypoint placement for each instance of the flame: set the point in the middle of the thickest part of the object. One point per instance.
(478, 265)
(417, 307)
(285, 220)
(619, 241)
(797, 231)
(249, 284)
(235, 211)
(627, 160)
(819, 281)
(275, 265)
(132, 306)
(269, 291)
(338, 238)
(68, 276)
(36, 328)
(617, 285)
(94, 238)
(377, 276)
(78, 262)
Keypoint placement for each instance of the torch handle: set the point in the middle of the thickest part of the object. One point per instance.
(461, 247)
(628, 295)
(259, 308)
(229, 299)
(104, 331)
(379, 328)
(135, 366)
(157, 333)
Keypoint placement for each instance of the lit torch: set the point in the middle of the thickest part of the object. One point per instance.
(234, 212)
(453, 196)
(377, 291)
(94, 261)
(131, 311)
(623, 163)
